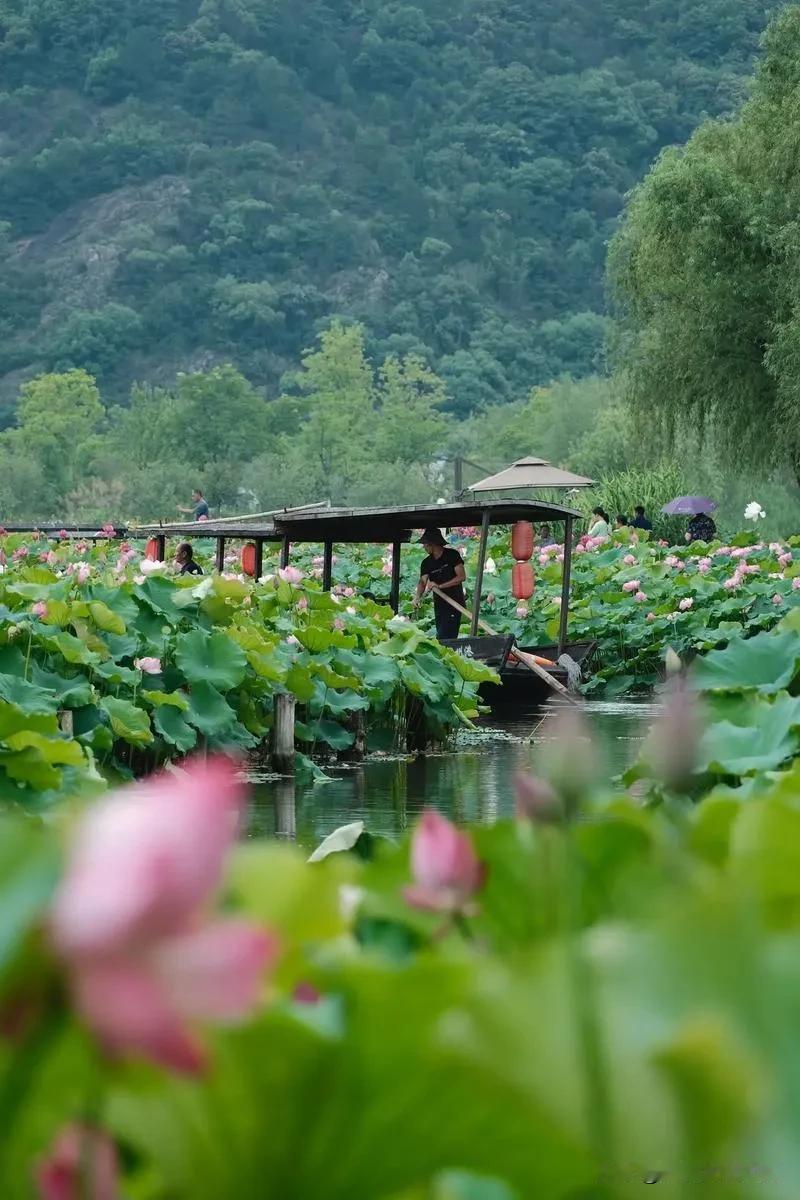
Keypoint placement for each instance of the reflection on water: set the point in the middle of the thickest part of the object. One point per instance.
(473, 784)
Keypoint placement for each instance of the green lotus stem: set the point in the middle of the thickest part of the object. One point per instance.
(23, 1070)
(599, 1117)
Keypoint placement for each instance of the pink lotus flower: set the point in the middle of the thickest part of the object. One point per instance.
(43, 557)
(338, 623)
(732, 582)
(663, 544)
(776, 547)
(149, 566)
(686, 603)
(386, 568)
(290, 574)
(522, 611)
(704, 565)
(81, 1164)
(777, 600)
(130, 918)
(796, 583)
(63, 534)
(671, 561)
(651, 616)
(722, 552)
(544, 559)
(39, 609)
(148, 666)
(630, 560)
(349, 592)
(318, 560)
(785, 559)
(80, 571)
(292, 640)
(20, 553)
(491, 599)
(640, 597)
(633, 585)
(447, 872)
(580, 548)
(302, 603)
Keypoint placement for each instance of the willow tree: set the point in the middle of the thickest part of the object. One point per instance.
(706, 273)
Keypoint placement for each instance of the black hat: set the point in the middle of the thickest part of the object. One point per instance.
(432, 537)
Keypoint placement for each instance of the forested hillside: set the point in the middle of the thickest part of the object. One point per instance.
(185, 183)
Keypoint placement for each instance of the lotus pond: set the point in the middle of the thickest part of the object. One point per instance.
(473, 782)
(589, 985)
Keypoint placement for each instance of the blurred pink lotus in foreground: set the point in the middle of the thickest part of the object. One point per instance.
(144, 958)
(447, 872)
(39, 609)
(81, 1164)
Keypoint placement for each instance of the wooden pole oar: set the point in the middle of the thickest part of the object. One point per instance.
(527, 660)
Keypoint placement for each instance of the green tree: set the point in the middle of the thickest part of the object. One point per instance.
(408, 426)
(338, 384)
(704, 270)
(57, 415)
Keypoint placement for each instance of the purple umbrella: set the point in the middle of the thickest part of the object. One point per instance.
(689, 506)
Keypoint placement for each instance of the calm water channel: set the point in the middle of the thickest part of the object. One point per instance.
(473, 783)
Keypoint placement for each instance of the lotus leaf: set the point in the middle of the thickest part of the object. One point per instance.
(212, 658)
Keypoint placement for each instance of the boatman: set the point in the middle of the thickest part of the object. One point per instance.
(442, 568)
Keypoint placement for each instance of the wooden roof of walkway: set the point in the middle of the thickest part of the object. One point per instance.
(353, 525)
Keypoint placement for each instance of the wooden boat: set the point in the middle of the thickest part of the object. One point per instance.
(518, 684)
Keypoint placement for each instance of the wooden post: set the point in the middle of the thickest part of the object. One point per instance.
(285, 548)
(220, 556)
(566, 572)
(327, 566)
(458, 476)
(283, 734)
(476, 599)
(161, 546)
(394, 590)
(285, 810)
(259, 558)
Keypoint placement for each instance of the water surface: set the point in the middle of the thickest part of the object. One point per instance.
(473, 783)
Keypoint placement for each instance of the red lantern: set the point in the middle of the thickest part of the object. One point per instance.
(522, 541)
(151, 550)
(523, 581)
(248, 560)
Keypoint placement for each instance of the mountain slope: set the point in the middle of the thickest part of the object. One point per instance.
(185, 183)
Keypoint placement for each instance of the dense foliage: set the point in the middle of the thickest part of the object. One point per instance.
(597, 996)
(187, 183)
(110, 665)
(705, 271)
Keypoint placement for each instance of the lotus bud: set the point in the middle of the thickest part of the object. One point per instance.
(570, 761)
(672, 662)
(671, 748)
(536, 799)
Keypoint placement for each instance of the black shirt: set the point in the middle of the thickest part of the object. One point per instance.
(702, 528)
(190, 567)
(200, 509)
(641, 523)
(442, 570)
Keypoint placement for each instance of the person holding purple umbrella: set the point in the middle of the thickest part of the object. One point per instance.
(701, 527)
